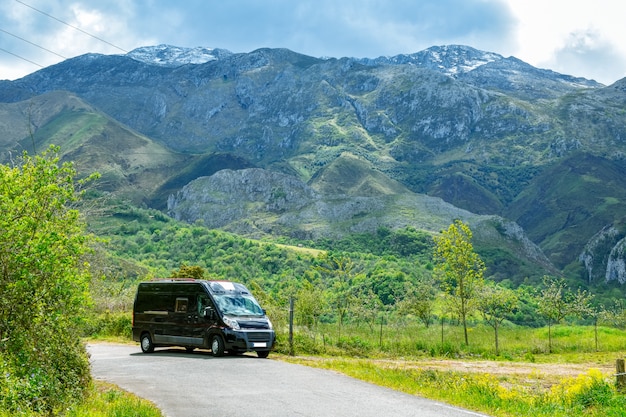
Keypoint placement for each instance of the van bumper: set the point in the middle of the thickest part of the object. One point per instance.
(249, 340)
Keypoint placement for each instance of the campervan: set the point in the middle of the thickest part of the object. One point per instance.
(222, 316)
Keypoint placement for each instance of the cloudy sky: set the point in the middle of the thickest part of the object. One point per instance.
(584, 38)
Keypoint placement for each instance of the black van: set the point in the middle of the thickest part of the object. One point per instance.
(219, 315)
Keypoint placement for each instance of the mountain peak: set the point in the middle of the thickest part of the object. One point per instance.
(455, 59)
(448, 59)
(176, 56)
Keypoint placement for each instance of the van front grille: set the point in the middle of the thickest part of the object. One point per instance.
(258, 336)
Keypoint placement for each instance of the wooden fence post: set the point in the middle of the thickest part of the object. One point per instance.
(620, 375)
(291, 304)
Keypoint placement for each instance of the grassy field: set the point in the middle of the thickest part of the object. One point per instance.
(415, 340)
(576, 379)
(508, 394)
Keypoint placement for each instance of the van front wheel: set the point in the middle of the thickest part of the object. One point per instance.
(217, 345)
(146, 343)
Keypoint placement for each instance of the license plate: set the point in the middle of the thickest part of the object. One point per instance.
(259, 344)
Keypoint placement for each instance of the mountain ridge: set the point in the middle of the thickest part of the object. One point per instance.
(477, 137)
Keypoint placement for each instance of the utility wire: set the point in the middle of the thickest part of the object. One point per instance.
(21, 57)
(72, 26)
(34, 44)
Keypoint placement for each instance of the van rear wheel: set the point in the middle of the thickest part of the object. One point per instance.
(217, 345)
(146, 343)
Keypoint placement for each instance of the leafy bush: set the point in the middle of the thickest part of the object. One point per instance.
(43, 287)
(109, 325)
(45, 378)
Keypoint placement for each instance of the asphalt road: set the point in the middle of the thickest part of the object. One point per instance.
(197, 384)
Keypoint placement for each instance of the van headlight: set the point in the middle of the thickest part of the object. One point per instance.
(232, 323)
(269, 324)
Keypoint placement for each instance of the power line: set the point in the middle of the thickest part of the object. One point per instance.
(21, 57)
(72, 26)
(34, 44)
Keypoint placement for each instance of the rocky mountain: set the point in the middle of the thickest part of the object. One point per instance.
(490, 70)
(176, 56)
(478, 132)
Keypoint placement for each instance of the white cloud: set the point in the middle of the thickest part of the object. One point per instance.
(591, 53)
(581, 38)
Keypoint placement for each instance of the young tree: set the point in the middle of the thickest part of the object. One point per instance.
(367, 306)
(494, 303)
(340, 269)
(459, 269)
(556, 302)
(43, 286)
(419, 300)
(310, 305)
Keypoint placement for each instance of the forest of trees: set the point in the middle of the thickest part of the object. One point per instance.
(390, 273)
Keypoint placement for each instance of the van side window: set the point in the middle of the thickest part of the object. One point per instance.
(203, 302)
(181, 305)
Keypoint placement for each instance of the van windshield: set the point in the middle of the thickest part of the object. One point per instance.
(238, 305)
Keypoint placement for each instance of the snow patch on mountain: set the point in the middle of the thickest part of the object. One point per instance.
(448, 59)
(176, 56)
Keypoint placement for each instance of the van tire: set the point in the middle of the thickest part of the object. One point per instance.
(217, 345)
(262, 353)
(146, 343)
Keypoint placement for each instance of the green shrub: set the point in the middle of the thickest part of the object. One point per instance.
(43, 287)
(109, 325)
(44, 379)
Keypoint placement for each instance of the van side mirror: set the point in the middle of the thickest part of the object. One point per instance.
(209, 313)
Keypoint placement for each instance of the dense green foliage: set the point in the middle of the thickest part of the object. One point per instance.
(392, 268)
(161, 245)
(43, 286)
(400, 243)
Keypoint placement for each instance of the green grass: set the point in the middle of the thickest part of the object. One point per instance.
(525, 379)
(588, 394)
(410, 339)
(104, 400)
(109, 401)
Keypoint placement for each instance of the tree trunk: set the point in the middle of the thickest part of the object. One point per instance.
(495, 327)
(549, 336)
(465, 330)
